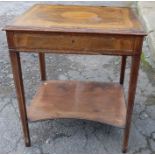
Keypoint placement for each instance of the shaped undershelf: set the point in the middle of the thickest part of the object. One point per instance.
(96, 101)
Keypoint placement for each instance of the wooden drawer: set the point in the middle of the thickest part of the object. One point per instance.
(77, 43)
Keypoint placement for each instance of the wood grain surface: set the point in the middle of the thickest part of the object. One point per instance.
(44, 17)
(74, 43)
(102, 102)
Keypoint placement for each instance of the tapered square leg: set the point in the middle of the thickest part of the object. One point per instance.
(131, 96)
(42, 64)
(17, 74)
(122, 73)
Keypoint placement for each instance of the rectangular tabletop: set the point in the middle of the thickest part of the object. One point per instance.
(43, 17)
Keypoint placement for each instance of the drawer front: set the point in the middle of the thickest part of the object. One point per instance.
(78, 43)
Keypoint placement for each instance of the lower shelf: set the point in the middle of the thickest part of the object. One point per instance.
(96, 101)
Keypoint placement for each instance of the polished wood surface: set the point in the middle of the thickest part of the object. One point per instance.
(78, 19)
(101, 102)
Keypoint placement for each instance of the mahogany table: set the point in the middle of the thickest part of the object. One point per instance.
(77, 30)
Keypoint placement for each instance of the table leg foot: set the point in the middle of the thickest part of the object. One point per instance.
(27, 143)
(124, 150)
